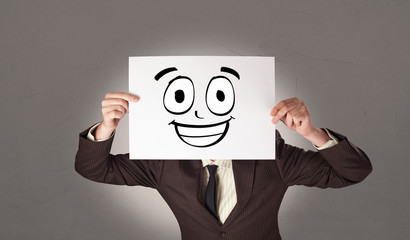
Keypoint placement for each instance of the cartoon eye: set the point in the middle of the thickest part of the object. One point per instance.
(220, 96)
(179, 95)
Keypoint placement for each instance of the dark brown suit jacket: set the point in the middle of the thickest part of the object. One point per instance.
(260, 184)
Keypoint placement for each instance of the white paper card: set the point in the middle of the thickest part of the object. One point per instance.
(205, 107)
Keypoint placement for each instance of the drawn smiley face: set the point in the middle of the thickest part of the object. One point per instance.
(179, 97)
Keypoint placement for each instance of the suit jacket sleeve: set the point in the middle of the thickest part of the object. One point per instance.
(94, 161)
(341, 165)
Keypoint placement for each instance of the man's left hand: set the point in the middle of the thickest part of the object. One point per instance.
(294, 114)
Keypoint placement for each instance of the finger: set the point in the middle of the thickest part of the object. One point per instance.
(298, 118)
(284, 110)
(293, 126)
(125, 96)
(115, 101)
(296, 108)
(295, 111)
(114, 108)
(276, 108)
(289, 120)
(302, 110)
(298, 113)
(286, 121)
(289, 103)
(115, 114)
(282, 103)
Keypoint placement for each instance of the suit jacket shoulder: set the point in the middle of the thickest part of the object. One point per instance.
(341, 165)
(95, 162)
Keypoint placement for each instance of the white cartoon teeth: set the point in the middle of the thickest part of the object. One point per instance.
(201, 141)
(201, 135)
(195, 131)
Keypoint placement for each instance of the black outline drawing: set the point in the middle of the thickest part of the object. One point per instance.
(165, 71)
(231, 71)
(177, 124)
(196, 115)
(166, 90)
(206, 96)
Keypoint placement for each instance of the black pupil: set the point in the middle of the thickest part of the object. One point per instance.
(179, 96)
(220, 95)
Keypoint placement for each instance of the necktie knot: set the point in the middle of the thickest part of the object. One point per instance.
(212, 169)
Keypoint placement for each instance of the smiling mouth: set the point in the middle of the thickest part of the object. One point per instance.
(201, 135)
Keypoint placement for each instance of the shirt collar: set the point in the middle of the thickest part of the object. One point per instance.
(226, 163)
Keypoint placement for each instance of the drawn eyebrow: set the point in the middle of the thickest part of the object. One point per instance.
(165, 71)
(231, 71)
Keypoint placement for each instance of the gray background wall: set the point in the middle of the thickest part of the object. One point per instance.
(348, 60)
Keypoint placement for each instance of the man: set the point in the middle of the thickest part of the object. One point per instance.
(249, 192)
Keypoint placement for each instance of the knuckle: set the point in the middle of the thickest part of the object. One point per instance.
(107, 95)
(117, 109)
(124, 102)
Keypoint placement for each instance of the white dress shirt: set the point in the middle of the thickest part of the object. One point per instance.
(226, 190)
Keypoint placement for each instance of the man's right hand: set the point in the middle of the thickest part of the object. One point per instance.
(114, 107)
